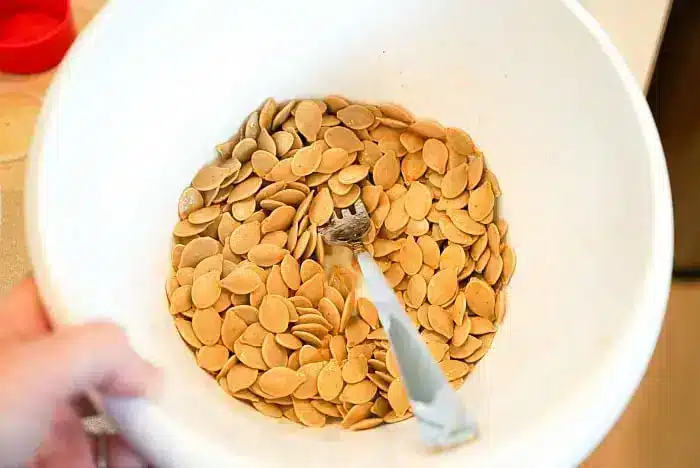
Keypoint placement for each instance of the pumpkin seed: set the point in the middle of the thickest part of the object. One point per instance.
(341, 137)
(248, 221)
(442, 287)
(330, 381)
(356, 116)
(386, 170)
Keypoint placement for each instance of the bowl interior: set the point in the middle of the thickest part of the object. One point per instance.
(149, 91)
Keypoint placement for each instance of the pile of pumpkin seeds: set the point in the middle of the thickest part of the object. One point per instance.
(281, 327)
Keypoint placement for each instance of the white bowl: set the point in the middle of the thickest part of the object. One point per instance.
(150, 89)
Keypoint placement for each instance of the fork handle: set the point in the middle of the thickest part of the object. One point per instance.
(442, 418)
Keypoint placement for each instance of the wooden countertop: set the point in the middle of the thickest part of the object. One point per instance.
(657, 428)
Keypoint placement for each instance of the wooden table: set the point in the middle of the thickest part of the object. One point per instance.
(659, 427)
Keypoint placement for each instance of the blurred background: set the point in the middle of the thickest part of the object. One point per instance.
(660, 39)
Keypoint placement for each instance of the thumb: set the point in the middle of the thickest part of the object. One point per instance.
(76, 359)
(36, 377)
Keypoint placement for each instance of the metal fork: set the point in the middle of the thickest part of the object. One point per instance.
(442, 419)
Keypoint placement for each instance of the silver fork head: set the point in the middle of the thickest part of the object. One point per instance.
(348, 225)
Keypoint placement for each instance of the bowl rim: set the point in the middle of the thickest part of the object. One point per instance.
(631, 354)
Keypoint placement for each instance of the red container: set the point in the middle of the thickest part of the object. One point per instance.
(34, 34)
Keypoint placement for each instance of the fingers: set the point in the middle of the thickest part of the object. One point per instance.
(66, 444)
(121, 455)
(22, 315)
(92, 356)
(39, 376)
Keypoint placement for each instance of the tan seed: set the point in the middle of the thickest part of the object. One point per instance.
(273, 314)
(209, 177)
(263, 162)
(190, 201)
(249, 355)
(309, 338)
(283, 114)
(338, 348)
(330, 381)
(283, 142)
(245, 237)
(348, 310)
(274, 354)
(181, 299)
(330, 313)
(418, 201)
(481, 202)
(309, 354)
(289, 341)
(241, 281)
(307, 118)
(282, 172)
(476, 172)
(356, 117)
(358, 393)
(308, 415)
(435, 155)
(428, 129)
(494, 268)
(440, 321)
(453, 257)
(353, 174)
(341, 137)
(454, 369)
(369, 154)
(368, 312)
(240, 377)
(386, 171)
(398, 398)
(452, 233)
(509, 261)
(442, 287)
(306, 161)
(184, 327)
(248, 313)
(355, 370)
(309, 388)
(413, 166)
(464, 222)
(411, 257)
(206, 325)
(232, 328)
(186, 229)
(279, 220)
(332, 160)
(312, 289)
(245, 189)
(431, 251)
(265, 255)
(454, 182)
(485, 345)
(416, 291)
(481, 325)
(212, 358)
(327, 408)
(244, 149)
(206, 290)
(459, 140)
(279, 382)
(356, 414)
(321, 207)
(356, 331)
(481, 299)
(468, 348)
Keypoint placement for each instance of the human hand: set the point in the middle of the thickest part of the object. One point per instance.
(43, 372)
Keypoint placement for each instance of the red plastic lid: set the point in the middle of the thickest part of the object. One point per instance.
(34, 34)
